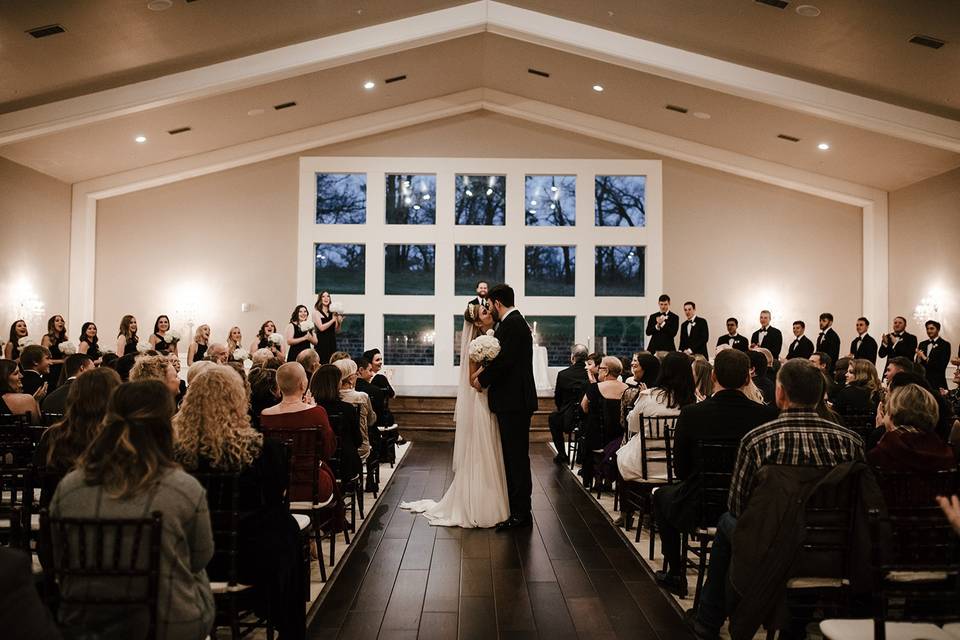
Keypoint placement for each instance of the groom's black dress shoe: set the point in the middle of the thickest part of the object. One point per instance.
(515, 522)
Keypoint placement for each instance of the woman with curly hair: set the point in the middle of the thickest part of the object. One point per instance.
(156, 368)
(214, 434)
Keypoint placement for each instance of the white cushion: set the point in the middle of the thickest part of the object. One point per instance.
(303, 521)
(223, 587)
(917, 576)
(306, 505)
(863, 630)
(816, 583)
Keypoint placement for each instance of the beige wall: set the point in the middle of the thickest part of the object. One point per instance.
(34, 245)
(925, 249)
(733, 245)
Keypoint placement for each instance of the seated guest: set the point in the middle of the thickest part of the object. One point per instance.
(376, 432)
(12, 398)
(109, 360)
(35, 365)
(264, 391)
(732, 338)
(861, 393)
(156, 368)
(899, 364)
(801, 347)
(758, 373)
(73, 366)
(933, 354)
(214, 434)
(948, 424)
(593, 363)
(567, 394)
(181, 384)
(127, 471)
(194, 370)
(825, 363)
(840, 372)
(726, 416)
(646, 369)
(217, 352)
(382, 380)
(336, 356)
(702, 372)
(310, 361)
(601, 406)
(799, 437)
(23, 615)
(325, 389)
(348, 393)
(673, 391)
(910, 414)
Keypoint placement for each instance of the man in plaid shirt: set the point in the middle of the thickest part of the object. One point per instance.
(798, 437)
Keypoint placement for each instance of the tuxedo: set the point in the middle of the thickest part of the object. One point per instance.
(662, 339)
(694, 335)
(905, 346)
(32, 381)
(567, 394)
(829, 342)
(56, 400)
(864, 348)
(938, 357)
(737, 342)
(512, 395)
(772, 341)
(800, 348)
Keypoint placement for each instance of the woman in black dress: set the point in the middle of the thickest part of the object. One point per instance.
(301, 334)
(601, 406)
(89, 343)
(55, 336)
(163, 343)
(127, 336)
(198, 348)
(18, 330)
(328, 326)
(266, 341)
(861, 393)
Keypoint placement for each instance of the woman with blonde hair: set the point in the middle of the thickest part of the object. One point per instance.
(234, 341)
(861, 392)
(198, 348)
(156, 368)
(909, 416)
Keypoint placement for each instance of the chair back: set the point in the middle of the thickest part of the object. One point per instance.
(16, 446)
(11, 420)
(95, 552)
(336, 420)
(656, 443)
(52, 418)
(914, 492)
(862, 424)
(223, 502)
(306, 447)
(826, 548)
(715, 460)
(16, 505)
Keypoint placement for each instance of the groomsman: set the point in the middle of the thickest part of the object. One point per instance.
(482, 288)
(694, 332)
(662, 327)
(801, 347)
(828, 341)
(898, 343)
(733, 339)
(864, 347)
(767, 337)
(933, 355)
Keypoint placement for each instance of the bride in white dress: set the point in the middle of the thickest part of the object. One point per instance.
(477, 497)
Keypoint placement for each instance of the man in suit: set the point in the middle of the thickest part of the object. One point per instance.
(35, 365)
(767, 336)
(482, 289)
(758, 373)
(512, 396)
(74, 365)
(726, 416)
(567, 394)
(898, 343)
(825, 364)
(864, 347)
(733, 339)
(694, 333)
(828, 341)
(801, 347)
(662, 327)
(933, 354)
(374, 431)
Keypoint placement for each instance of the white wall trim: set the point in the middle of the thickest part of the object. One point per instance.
(86, 194)
(498, 18)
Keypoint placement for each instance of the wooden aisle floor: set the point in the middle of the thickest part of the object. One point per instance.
(572, 575)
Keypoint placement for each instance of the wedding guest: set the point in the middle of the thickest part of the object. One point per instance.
(12, 398)
(898, 343)
(933, 354)
(325, 389)
(198, 348)
(348, 380)
(310, 361)
(733, 339)
(828, 341)
(74, 365)
(674, 389)
(823, 362)
(300, 333)
(217, 352)
(900, 364)
(767, 337)
(758, 374)
(127, 336)
(801, 347)
(339, 355)
(593, 365)
(647, 368)
(89, 343)
(861, 391)
(694, 333)
(55, 336)
(156, 368)
(909, 416)
(18, 331)
(567, 394)
(266, 358)
(264, 391)
(328, 325)
(662, 327)
(482, 288)
(162, 339)
(109, 360)
(35, 365)
(702, 371)
(195, 369)
(62, 444)
(840, 372)
(864, 347)
(214, 434)
(379, 440)
(181, 384)
(953, 396)
(381, 378)
(268, 338)
(948, 423)
(128, 470)
(601, 406)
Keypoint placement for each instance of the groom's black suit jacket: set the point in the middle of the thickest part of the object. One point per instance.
(509, 378)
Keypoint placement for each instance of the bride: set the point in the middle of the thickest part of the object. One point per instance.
(477, 497)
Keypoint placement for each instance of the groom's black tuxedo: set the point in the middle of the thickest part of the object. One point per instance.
(512, 395)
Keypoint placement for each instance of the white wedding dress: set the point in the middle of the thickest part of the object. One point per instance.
(477, 497)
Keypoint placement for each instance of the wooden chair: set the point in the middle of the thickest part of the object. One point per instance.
(863, 424)
(17, 513)
(351, 488)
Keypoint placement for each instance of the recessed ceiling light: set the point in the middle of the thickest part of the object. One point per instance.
(808, 11)
(701, 115)
(823, 146)
(369, 84)
(598, 88)
(255, 112)
(140, 139)
(159, 5)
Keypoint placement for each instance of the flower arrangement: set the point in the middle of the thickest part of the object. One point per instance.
(275, 338)
(143, 346)
(484, 348)
(25, 341)
(336, 308)
(172, 337)
(240, 354)
(67, 348)
(307, 325)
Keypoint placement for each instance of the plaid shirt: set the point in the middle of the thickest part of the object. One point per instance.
(798, 437)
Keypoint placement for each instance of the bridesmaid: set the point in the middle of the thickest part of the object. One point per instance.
(234, 341)
(127, 337)
(298, 338)
(161, 341)
(89, 342)
(327, 327)
(198, 348)
(18, 330)
(55, 336)
(268, 329)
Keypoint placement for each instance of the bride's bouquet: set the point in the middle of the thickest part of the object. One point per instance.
(484, 348)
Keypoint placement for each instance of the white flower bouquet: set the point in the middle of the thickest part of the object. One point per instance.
(68, 348)
(143, 346)
(484, 348)
(276, 339)
(336, 308)
(25, 341)
(240, 354)
(307, 325)
(172, 337)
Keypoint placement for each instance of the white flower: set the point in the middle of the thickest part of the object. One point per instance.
(240, 354)
(68, 348)
(171, 337)
(484, 348)
(275, 338)
(490, 332)
(25, 341)
(336, 307)
(143, 346)
(306, 325)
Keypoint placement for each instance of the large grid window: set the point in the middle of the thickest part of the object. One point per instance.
(409, 269)
(341, 198)
(408, 339)
(340, 268)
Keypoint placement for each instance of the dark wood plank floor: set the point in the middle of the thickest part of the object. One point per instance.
(569, 576)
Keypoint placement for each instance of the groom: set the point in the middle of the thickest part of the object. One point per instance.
(513, 398)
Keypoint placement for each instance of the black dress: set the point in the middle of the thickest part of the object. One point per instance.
(201, 352)
(326, 340)
(93, 350)
(129, 347)
(53, 378)
(602, 427)
(266, 344)
(162, 347)
(297, 349)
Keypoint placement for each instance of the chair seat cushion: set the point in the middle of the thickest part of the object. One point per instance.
(863, 630)
(805, 582)
(303, 521)
(917, 576)
(223, 587)
(306, 505)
